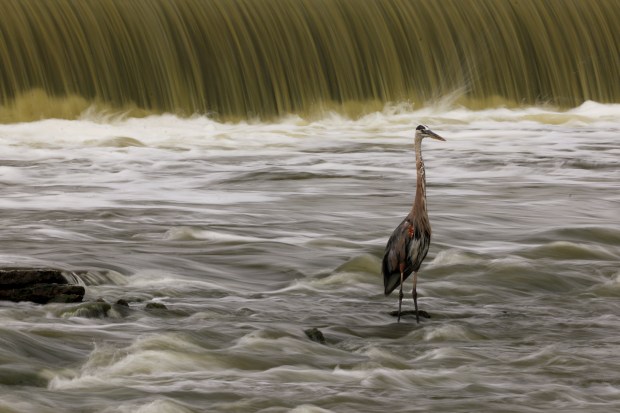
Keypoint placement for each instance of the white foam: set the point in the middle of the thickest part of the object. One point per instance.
(162, 280)
(188, 233)
(168, 131)
(151, 355)
(309, 408)
(450, 332)
(156, 406)
(453, 257)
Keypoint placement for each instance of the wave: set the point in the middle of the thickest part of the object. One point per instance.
(134, 135)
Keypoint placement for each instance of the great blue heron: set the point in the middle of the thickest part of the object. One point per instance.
(408, 244)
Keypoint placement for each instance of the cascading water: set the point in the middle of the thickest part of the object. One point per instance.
(239, 59)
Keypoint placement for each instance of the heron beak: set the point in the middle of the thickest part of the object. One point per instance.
(433, 135)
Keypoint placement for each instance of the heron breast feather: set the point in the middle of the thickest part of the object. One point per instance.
(411, 230)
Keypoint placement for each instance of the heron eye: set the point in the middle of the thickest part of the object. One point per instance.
(420, 127)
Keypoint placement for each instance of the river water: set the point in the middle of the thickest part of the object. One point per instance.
(251, 233)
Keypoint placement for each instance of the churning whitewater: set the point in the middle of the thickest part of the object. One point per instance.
(250, 233)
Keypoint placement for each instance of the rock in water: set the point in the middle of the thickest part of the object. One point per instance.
(122, 302)
(39, 285)
(156, 306)
(44, 293)
(95, 309)
(13, 277)
(406, 313)
(315, 334)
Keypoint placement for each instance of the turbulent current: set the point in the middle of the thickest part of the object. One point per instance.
(250, 233)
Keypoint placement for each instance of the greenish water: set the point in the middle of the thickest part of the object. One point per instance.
(243, 59)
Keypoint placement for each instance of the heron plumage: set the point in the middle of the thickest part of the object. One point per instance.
(409, 243)
(405, 248)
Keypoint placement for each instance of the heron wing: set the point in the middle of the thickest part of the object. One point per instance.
(408, 244)
(395, 253)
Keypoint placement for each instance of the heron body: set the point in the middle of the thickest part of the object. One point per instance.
(408, 245)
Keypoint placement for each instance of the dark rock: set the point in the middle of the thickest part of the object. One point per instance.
(66, 293)
(119, 310)
(44, 293)
(12, 277)
(315, 334)
(408, 313)
(39, 285)
(95, 309)
(122, 302)
(156, 306)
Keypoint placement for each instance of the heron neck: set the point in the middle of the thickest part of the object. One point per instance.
(419, 203)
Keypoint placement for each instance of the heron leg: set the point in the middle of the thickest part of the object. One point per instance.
(414, 293)
(400, 294)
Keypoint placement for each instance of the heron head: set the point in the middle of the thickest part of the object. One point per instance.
(423, 132)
